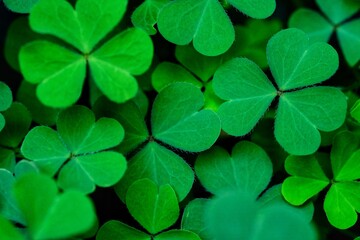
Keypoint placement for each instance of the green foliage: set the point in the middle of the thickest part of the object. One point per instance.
(104, 122)
(76, 151)
(295, 65)
(181, 24)
(235, 179)
(146, 15)
(154, 208)
(168, 127)
(234, 216)
(8, 231)
(48, 214)
(18, 122)
(248, 169)
(20, 6)
(320, 28)
(342, 199)
(5, 101)
(111, 65)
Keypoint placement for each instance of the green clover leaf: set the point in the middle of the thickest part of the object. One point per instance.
(76, 150)
(236, 215)
(146, 15)
(8, 231)
(48, 214)
(5, 101)
(118, 231)
(294, 63)
(308, 175)
(18, 122)
(182, 21)
(20, 6)
(173, 123)
(248, 168)
(193, 220)
(320, 28)
(8, 206)
(155, 208)
(112, 65)
(247, 171)
(177, 235)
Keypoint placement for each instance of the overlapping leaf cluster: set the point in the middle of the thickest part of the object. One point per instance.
(96, 110)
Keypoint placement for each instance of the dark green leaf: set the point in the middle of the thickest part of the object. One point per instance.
(154, 207)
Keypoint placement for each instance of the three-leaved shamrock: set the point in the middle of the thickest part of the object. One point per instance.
(206, 23)
(237, 180)
(178, 121)
(60, 69)
(336, 19)
(311, 174)
(77, 151)
(303, 109)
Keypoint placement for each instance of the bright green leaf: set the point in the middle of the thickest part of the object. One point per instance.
(307, 179)
(248, 169)
(8, 231)
(77, 127)
(80, 142)
(44, 146)
(341, 204)
(177, 235)
(174, 122)
(159, 165)
(349, 39)
(20, 6)
(48, 214)
(255, 8)
(294, 62)
(113, 64)
(83, 27)
(146, 15)
(338, 11)
(59, 72)
(302, 113)
(248, 93)
(116, 230)
(154, 207)
(103, 169)
(313, 24)
(180, 22)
